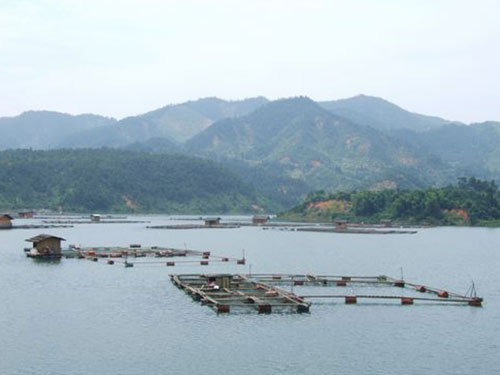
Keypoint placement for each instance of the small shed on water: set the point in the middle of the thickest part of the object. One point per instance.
(260, 219)
(340, 224)
(95, 218)
(5, 221)
(46, 244)
(212, 221)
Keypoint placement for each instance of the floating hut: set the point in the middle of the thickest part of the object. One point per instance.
(45, 246)
(340, 224)
(6, 221)
(95, 218)
(260, 219)
(212, 221)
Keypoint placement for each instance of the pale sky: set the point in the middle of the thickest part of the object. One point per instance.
(124, 57)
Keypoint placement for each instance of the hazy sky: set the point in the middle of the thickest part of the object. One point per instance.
(125, 57)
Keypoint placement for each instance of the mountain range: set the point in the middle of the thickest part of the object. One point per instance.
(285, 148)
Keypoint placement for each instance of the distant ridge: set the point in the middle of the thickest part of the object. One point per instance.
(381, 114)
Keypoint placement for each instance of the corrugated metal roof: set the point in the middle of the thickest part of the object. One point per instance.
(42, 237)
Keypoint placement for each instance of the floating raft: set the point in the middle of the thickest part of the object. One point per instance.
(94, 222)
(358, 230)
(39, 226)
(226, 292)
(195, 226)
(193, 257)
(261, 292)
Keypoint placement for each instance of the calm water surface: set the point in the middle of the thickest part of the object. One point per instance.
(81, 317)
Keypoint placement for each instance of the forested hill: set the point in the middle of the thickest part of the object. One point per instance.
(470, 202)
(121, 181)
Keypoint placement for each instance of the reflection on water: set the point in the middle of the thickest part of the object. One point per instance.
(80, 317)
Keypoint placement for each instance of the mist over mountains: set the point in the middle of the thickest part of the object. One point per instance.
(284, 148)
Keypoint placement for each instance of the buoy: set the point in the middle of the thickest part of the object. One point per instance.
(421, 289)
(476, 302)
(95, 259)
(170, 264)
(264, 309)
(110, 261)
(350, 300)
(406, 301)
(223, 309)
(443, 294)
(341, 283)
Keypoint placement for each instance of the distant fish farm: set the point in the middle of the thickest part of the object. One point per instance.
(263, 293)
(49, 247)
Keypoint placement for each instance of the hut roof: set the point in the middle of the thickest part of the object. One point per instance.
(42, 237)
(211, 218)
(7, 216)
(265, 217)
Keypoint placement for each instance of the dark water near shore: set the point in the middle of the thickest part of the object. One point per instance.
(79, 317)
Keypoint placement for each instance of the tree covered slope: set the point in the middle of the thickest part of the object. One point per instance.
(122, 181)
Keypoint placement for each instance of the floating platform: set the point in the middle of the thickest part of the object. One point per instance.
(38, 226)
(195, 226)
(262, 292)
(358, 230)
(94, 222)
(158, 253)
(226, 292)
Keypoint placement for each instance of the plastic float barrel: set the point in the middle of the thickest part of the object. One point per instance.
(399, 283)
(223, 309)
(443, 294)
(276, 277)
(406, 301)
(204, 263)
(224, 260)
(170, 264)
(91, 253)
(95, 259)
(421, 289)
(302, 309)
(341, 283)
(110, 261)
(206, 253)
(240, 261)
(205, 256)
(346, 278)
(264, 309)
(298, 282)
(324, 282)
(351, 300)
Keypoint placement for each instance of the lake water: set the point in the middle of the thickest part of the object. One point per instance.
(81, 317)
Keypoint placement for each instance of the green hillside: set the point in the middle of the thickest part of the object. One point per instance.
(470, 202)
(306, 142)
(174, 122)
(122, 181)
(45, 129)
